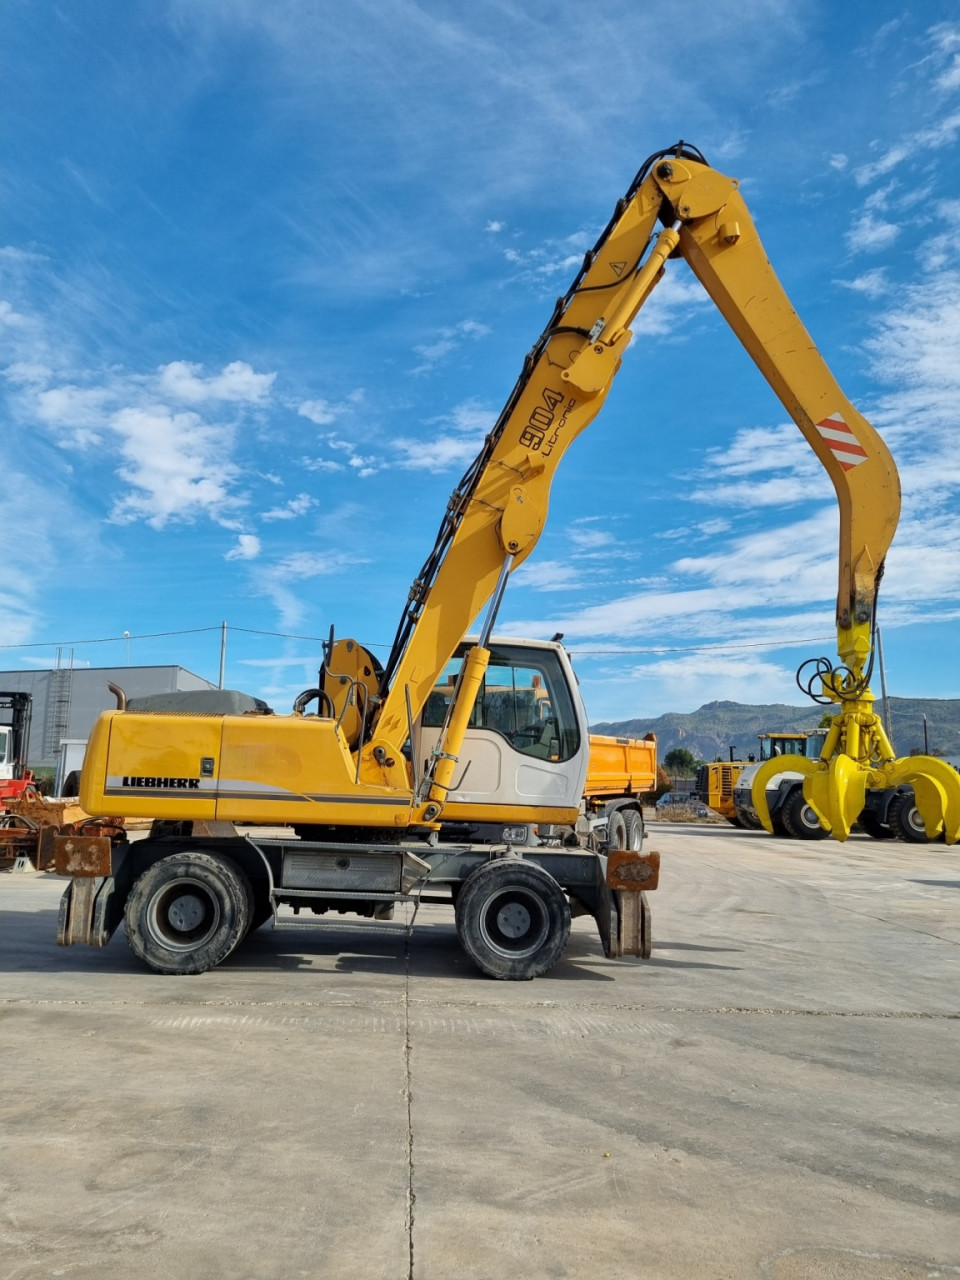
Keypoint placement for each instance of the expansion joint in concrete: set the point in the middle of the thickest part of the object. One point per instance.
(408, 1093)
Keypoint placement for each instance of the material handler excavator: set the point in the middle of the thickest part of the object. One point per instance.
(371, 768)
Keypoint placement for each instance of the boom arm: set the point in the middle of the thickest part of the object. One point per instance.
(496, 513)
(500, 506)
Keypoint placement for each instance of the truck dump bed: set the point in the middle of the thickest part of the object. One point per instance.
(621, 766)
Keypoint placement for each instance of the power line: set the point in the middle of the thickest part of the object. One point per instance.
(67, 644)
(288, 635)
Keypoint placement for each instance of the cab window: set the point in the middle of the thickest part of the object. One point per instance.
(524, 697)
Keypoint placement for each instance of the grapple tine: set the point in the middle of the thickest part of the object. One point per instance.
(766, 771)
(847, 794)
(936, 787)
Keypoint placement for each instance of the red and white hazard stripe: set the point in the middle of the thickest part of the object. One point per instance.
(843, 444)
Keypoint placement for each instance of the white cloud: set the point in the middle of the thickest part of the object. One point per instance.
(494, 226)
(869, 234)
(447, 341)
(236, 382)
(755, 450)
(690, 680)
(548, 575)
(247, 548)
(466, 424)
(297, 506)
(589, 539)
(872, 283)
(176, 465)
(22, 373)
(779, 492)
(322, 412)
(77, 411)
(669, 307)
(711, 528)
(867, 173)
(321, 464)
(313, 564)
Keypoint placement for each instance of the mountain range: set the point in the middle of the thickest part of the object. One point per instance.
(714, 728)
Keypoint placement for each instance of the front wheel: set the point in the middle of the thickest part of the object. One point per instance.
(513, 919)
(799, 820)
(905, 821)
(187, 912)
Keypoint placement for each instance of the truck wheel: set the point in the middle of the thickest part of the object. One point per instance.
(261, 909)
(871, 824)
(634, 830)
(799, 820)
(616, 831)
(187, 912)
(905, 821)
(513, 919)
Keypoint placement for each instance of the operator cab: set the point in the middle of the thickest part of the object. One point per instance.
(527, 741)
(791, 744)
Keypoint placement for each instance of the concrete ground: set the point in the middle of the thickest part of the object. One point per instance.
(774, 1094)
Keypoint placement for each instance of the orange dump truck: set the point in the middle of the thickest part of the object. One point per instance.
(620, 772)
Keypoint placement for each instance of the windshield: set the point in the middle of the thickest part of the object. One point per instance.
(524, 697)
(792, 744)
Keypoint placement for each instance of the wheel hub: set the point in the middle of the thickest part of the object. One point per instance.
(184, 915)
(186, 912)
(513, 920)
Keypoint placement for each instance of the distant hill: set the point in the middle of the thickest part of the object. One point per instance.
(710, 731)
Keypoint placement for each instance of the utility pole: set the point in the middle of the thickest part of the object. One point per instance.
(223, 652)
(883, 688)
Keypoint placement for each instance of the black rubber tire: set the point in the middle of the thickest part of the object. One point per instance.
(187, 912)
(261, 910)
(749, 821)
(799, 820)
(633, 821)
(71, 786)
(873, 827)
(905, 821)
(513, 919)
(616, 831)
(735, 821)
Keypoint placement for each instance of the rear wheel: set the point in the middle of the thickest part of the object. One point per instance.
(633, 824)
(616, 831)
(871, 824)
(261, 909)
(799, 820)
(513, 919)
(905, 820)
(187, 912)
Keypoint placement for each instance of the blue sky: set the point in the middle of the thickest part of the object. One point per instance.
(269, 271)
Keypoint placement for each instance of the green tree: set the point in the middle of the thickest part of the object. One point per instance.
(680, 761)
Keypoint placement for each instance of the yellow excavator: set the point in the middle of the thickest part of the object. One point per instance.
(369, 767)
